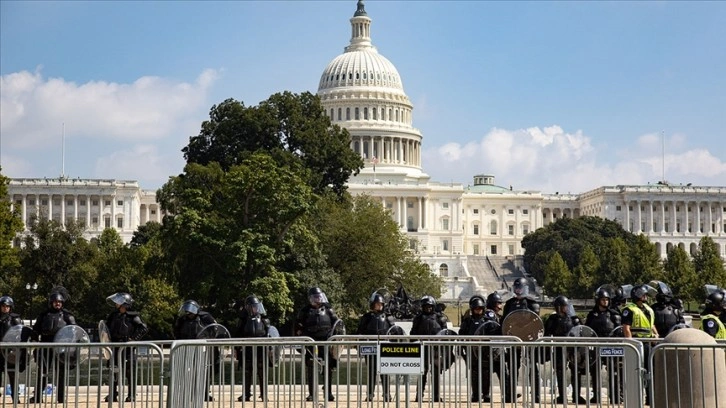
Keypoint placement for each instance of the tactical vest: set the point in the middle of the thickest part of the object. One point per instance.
(665, 318)
(603, 323)
(642, 326)
(561, 325)
(51, 323)
(474, 323)
(317, 323)
(7, 321)
(429, 324)
(190, 328)
(254, 327)
(120, 327)
(377, 324)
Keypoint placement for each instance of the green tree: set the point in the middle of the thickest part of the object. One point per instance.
(709, 264)
(557, 276)
(645, 261)
(584, 274)
(680, 274)
(10, 225)
(360, 239)
(615, 263)
(291, 128)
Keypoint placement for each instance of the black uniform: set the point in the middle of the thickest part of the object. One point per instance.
(317, 323)
(666, 315)
(8, 320)
(46, 326)
(252, 363)
(603, 322)
(480, 361)
(188, 326)
(523, 303)
(124, 327)
(558, 325)
(375, 323)
(427, 324)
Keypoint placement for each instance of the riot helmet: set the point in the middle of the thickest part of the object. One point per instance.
(521, 287)
(493, 299)
(620, 294)
(641, 292)
(563, 306)
(603, 292)
(253, 306)
(716, 301)
(120, 299)
(7, 301)
(190, 307)
(56, 297)
(316, 297)
(427, 304)
(376, 298)
(476, 301)
(664, 293)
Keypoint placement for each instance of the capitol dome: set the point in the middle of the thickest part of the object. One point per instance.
(361, 90)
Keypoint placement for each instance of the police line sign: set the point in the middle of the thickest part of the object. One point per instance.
(400, 358)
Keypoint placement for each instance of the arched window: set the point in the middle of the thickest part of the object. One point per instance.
(340, 114)
(357, 114)
(331, 114)
(375, 111)
(493, 227)
(444, 270)
(365, 113)
(347, 113)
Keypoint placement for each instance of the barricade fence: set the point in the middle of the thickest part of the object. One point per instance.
(346, 371)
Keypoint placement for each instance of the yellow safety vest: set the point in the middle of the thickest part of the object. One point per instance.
(642, 324)
(721, 334)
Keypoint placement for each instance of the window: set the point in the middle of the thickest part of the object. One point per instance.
(510, 247)
(83, 203)
(120, 222)
(340, 113)
(476, 249)
(31, 202)
(347, 113)
(44, 201)
(678, 208)
(94, 221)
(642, 226)
(493, 228)
(618, 208)
(94, 203)
(678, 227)
(493, 250)
(389, 205)
(493, 211)
(476, 211)
(445, 244)
(153, 212)
(332, 114)
(107, 202)
(445, 224)
(667, 227)
(56, 202)
(357, 114)
(525, 211)
(412, 244)
(510, 211)
(69, 202)
(510, 229)
(445, 205)
(375, 113)
(107, 222)
(476, 229)
(365, 113)
(444, 268)
(119, 202)
(409, 204)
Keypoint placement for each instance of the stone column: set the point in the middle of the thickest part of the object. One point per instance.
(650, 217)
(420, 213)
(627, 217)
(113, 211)
(75, 207)
(50, 207)
(640, 218)
(698, 218)
(662, 217)
(25, 211)
(63, 210)
(88, 210)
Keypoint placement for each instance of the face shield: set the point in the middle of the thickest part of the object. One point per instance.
(566, 310)
(189, 307)
(318, 299)
(119, 299)
(254, 309)
(651, 291)
(521, 290)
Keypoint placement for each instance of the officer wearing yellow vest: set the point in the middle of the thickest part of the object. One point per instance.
(639, 322)
(711, 318)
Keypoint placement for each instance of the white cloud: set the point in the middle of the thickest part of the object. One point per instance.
(33, 108)
(142, 162)
(551, 160)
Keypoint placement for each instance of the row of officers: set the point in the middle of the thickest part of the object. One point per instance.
(618, 311)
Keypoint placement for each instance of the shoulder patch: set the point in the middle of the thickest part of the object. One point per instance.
(490, 314)
(710, 324)
(626, 312)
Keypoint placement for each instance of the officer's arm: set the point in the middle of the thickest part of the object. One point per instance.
(710, 327)
(70, 319)
(626, 331)
(362, 324)
(534, 307)
(298, 329)
(140, 329)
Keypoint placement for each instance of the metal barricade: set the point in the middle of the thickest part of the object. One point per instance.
(82, 374)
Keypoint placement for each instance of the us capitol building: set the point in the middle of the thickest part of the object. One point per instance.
(470, 235)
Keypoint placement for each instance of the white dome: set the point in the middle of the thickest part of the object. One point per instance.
(360, 68)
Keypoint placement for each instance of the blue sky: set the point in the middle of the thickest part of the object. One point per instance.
(549, 96)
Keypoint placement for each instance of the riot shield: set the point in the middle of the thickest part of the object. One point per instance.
(337, 330)
(71, 356)
(444, 356)
(274, 353)
(213, 331)
(13, 356)
(104, 336)
(396, 331)
(617, 332)
(523, 324)
(582, 356)
(488, 328)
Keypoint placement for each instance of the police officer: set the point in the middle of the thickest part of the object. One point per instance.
(638, 322)
(46, 326)
(713, 314)
(375, 322)
(559, 324)
(9, 319)
(316, 320)
(428, 322)
(667, 314)
(521, 301)
(189, 323)
(603, 319)
(253, 323)
(124, 325)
